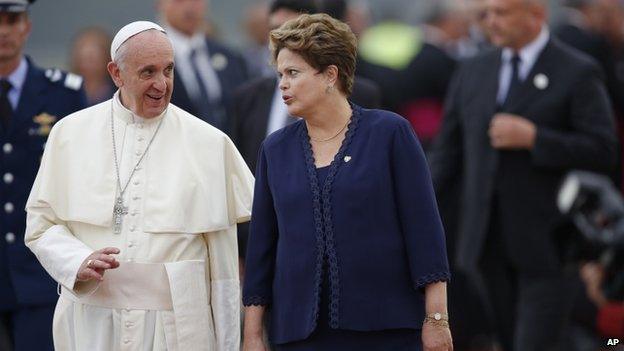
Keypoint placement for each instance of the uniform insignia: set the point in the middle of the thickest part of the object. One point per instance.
(347, 158)
(218, 62)
(54, 74)
(540, 81)
(45, 122)
(73, 81)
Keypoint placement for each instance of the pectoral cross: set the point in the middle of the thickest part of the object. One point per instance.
(118, 212)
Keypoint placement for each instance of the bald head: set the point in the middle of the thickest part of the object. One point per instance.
(514, 23)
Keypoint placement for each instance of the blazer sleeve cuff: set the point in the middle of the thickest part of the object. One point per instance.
(255, 301)
(432, 278)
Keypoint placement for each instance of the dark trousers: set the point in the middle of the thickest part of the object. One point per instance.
(529, 311)
(29, 328)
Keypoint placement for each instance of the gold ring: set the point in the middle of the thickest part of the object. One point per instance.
(89, 263)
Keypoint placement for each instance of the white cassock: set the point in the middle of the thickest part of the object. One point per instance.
(177, 286)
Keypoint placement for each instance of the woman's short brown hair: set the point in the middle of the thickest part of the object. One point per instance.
(322, 41)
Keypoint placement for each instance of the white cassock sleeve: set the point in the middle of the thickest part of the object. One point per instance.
(48, 237)
(225, 287)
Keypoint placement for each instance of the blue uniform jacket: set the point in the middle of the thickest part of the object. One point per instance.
(374, 222)
(46, 97)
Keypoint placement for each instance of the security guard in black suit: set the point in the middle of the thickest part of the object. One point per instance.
(31, 101)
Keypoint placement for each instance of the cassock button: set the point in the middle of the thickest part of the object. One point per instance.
(136, 182)
(8, 178)
(140, 126)
(138, 152)
(126, 341)
(135, 198)
(131, 244)
(7, 148)
(133, 228)
(140, 138)
(8, 207)
(129, 324)
(9, 237)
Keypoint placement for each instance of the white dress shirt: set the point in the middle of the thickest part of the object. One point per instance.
(278, 117)
(528, 56)
(182, 47)
(17, 79)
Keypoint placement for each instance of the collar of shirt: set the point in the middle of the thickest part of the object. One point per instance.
(124, 114)
(278, 117)
(183, 44)
(17, 79)
(529, 53)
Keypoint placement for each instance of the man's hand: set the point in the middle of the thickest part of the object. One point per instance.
(509, 131)
(97, 263)
(593, 275)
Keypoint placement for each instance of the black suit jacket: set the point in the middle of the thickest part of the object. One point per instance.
(575, 130)
(597, 47)
(230, 77)
(250, 114)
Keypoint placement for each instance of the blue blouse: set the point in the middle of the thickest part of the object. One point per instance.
(374, 221)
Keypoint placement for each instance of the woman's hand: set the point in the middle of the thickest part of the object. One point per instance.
(436, 338)
(255, 343)
(96, 264)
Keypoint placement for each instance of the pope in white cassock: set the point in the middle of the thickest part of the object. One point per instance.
(134, 214)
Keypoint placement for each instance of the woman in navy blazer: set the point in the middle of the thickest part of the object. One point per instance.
(346, 248)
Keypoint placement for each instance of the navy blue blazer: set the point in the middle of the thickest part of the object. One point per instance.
(374, 221)
(46, 97)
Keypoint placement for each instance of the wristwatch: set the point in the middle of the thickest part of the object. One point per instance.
(437, 318)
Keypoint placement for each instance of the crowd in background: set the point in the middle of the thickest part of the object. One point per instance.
(402, 67)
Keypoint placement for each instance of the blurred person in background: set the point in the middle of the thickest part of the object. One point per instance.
(207, 72)
(256, 24)
(447, 26)
(327, 186)
(358, 16)
(581, 27)
(517, 118)
(415, 74)
(89, 57)
(605, 289)
(31, 102)
(478, 30)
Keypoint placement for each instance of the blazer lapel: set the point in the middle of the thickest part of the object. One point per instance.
(490, 85)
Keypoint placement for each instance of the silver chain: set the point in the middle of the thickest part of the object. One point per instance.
(123, 190)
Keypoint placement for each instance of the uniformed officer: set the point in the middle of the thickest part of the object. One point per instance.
(31, 101)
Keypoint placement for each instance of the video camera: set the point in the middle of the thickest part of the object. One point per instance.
(596, 207)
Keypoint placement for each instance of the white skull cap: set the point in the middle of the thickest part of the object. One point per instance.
(130, 30)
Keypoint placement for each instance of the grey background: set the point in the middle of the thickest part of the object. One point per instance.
(55, 22)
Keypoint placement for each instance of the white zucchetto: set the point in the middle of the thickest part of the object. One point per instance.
(130, 30)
